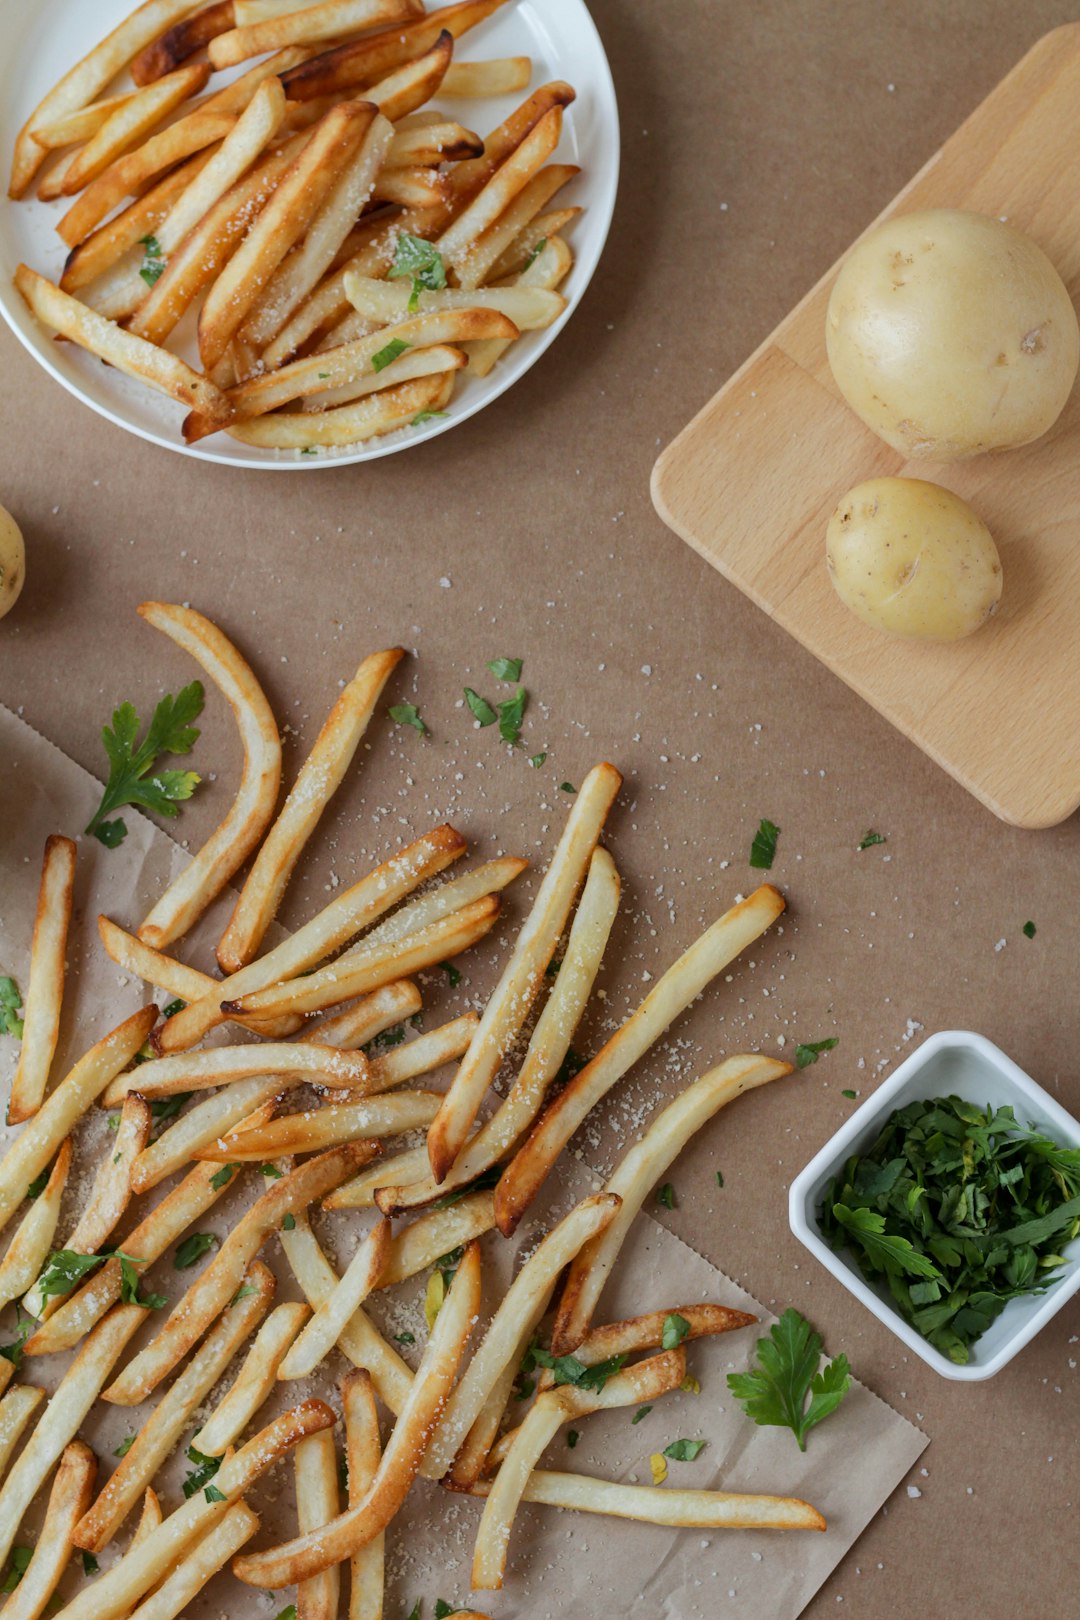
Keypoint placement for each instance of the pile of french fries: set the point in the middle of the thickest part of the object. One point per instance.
(343, 248)
(301, 1096)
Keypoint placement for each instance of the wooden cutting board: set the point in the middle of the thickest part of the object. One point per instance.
(751, 482)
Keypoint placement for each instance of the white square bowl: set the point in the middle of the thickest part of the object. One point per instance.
(957, 1063)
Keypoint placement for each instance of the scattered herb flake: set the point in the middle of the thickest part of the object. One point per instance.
(200, 1476)
(271, 1171)
(163, 1109)
(243, 1293)
(90, 1564)
(405, 1338)
(674, 1331)
(511, 714)
(719, 1178)
(10, 1002)
(171, 1008)
(420, 259)
(289, 1223)
(212, 1494)
(38, 1185)
(536, 252)
(775, 1392)
(154, 261)
(642, 1412)
(426, 416)
(389, 354)
(808, 1052)
(567, 787)
(569, 1370)
(407, 714)
(222, 1177)
(169, 732)
(847, 1092)
(192, 1249)
(452, 973)
(572, 1438)
(666, 1195)
(288, 1613)
(869, 839)
(537, 760)
(20, 1563)
(1028, 930)
(506, 669)
(690, 1385)
(480, 708)
(763, 848)
(125, 1446)
(684, 1450)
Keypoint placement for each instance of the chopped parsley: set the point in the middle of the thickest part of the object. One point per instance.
(869, 839)
(242, 1293)
(212, 1494)
(774, 1392)
(480, 708)
(719, 1178)
(14, 1352)
(405, 1338)
(674, 1331)
(154, 261)
(192, 1249)
(452, 973)
(572, 1438)
(288, 1613)
(10, 1002)
(38, 1185)
(808, 1052)
(1028, 930)
(389, 354)
(90, 1565)
(763, 849)
(666, 1195)
(289, 1223)
(569, 1370)
(847, 1092)
(130, 762)
(642, 1412)
(684, 1450)
(125, 1446)
(407, 714)
(426, 416)
(422, 261)
(511, 714)
(506, 669)
(567, 787)
(162, 1109)
(222, 1177)
(271, 1171)
(200, 1476)
(537, 760)
(536, 252)
(20, 1563)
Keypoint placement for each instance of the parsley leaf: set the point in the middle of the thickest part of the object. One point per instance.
(38, 1185)
(536, 252)
(169, 732)
(808, 1052)
(389, 354)
(537, 760)
(162, 1109)
(222, 1177)
(154, 261)
(869, 839)
(666, 1195)
(775, 1392)
(674, 1331)
(569, 1370)
(125, 1446)
(407, 714)
(567, 787)
(14, 1352)
(416, 1610)
(895, 1255)
(763, 849)
(20, 1563)
(63, 1269)
(642, 1412)
(684, 1450)
(452, 973)
(422, 261)
(481, 709)
(192, 1249)
(10, 1002)
(90, 1564)
(212, 1494)
(288, 1613)
(847, 1092)
(506, 669)
(200, 1476)
(426, 416)
(289, 1223)
(719, 1178)
(271, 1171)
(511, 714)
(1028, 930)
(242, 1293)
(405, 1338)
(572, 1438)
(442, 1609)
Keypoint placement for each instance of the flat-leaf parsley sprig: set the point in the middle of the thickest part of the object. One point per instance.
(131, 762)
(775, 1392)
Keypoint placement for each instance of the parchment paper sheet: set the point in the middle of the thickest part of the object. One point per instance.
(561, 1564)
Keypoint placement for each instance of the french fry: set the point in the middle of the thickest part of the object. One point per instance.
(649, 1504)
(643, 1382)
(153, 966)
(216, 1066)
(310, 1554)
(361, 1340)
(118, 1590)
(88, 78)
(215, 1287)
(347, 914)
(128, 174)
(314, 1129)
(458, 240)
(363, 1451)
(254, 1381)
(62, 1418)
(158, 1434)
(400, 1172)
(671, 995)
(446, 141)
(188, 896)
(30, 1247)
(523, 976)
(6, 1375)
(306, 265)
(45, 987)
(474, 1455)
(308, 26)
(422, 1055)
(381, 412)
(553, 262)
(363, 61)
(511, 1327)
(530, 242)
(131, 124)
(372, 248)
(127, 353)
(423, 1241)
(236, 1526)
(320, 777)
(317, 1505)
(77, 127)
(105, 247)
(359, 974)
(639, 1172)
(647, 1332)
(182, 40)
(254, 11)
(333, 1314)
(162, 1226)
(17, 1407)
(417, 363)
(68, 1499)
(150, 1517)
(109, 1195)
(248, 1104)
(253, 131)
(501, 76)
(477, 266)
(416, 188)
(405, 91)
(547, 1050)
(36, 1144)
(528, 307)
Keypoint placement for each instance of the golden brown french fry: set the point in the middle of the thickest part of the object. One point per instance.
(188, 896)
(45, 986)
(119, 1589)
(29, 1248)
(311, 24)
(317, 1505)
(234, 96)
(253, 131)
(501, 76)
(547, 1050)
(158, 1434)
(163, 972)
(423, 1241)
(314, 1129)
(363, 61)
(639, 1172)
(162, 1225)
(529, 308)
(523, 976)
(649, 1504)
(347, 914)
(406, 405)
(150, 1517)
(399, 1172)
(358, 974)
(320, 777)
(105, 247)
(210, 1555)
(254, 1381)
(529, 243)
(131, 124)
(371, 252)
(128, 174)
(63, 1417)
(76, 127)
(254, 11)
(511, 1327)
(214, 1288)
(477, 265)
(249, 1104)
(215, 1066)
(363, 1451)
(405, 91)
(334, 1313)
(36, 1144)
(71, 1491)
(16, 1409)
(553, 262)
(127, 353)
(416, 363)
(182, 40)
(445, 141)
(458, 240)
(643, 1382)
(414, 188)
(671, 995)
(422, 1055)
(647, 1332)
(309, 1554)
(88, 78)
(361, 1340)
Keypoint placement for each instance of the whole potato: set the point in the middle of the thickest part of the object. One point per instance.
(950, 333)
(913, 559)
(12, 562)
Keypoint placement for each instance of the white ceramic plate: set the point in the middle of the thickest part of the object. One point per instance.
(40, 41)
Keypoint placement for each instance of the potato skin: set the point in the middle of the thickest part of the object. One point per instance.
(951, 334)
(913, 559)
(12, 562)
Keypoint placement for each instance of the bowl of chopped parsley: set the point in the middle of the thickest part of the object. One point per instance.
(949, 1204)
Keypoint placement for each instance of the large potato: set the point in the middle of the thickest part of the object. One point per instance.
(913, 559)
(12, 562)
(950, 333)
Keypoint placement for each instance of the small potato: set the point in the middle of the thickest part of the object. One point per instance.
(12, 562)
(913, 559)
(950, 334)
